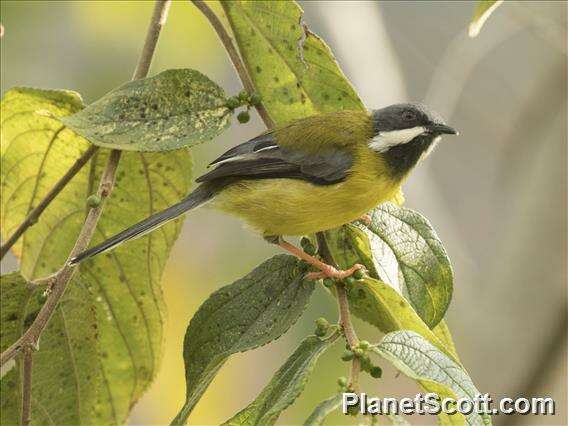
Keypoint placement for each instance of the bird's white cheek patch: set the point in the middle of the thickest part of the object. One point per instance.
(386, 140)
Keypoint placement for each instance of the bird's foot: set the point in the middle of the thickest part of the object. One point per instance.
(329, 271)
(326, 271)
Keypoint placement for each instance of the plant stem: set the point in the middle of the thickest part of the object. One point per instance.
(234, 55)
(35, 213)
(63, 277)
(344, 313)
(27, 386)
(157, 22)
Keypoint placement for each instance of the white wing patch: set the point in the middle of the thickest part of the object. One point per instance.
(386, 140)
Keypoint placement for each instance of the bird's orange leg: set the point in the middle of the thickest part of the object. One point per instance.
(326, 270)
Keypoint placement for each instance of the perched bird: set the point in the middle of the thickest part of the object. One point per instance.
(310, 175)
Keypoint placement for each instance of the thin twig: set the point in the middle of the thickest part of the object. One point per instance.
(31, 336)
(234, 55)
(36, 212)
(27, 387)
(344, 313)
(157, 22)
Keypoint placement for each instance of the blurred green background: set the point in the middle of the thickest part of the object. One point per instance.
(496, 195)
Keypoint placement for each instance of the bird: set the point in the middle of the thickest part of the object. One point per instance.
(307, 176)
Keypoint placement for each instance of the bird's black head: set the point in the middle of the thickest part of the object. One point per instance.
(405, 133)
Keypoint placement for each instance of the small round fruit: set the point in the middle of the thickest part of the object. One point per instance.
(243, 95)
(347, 356)
(255, 99)
(320, 332)
(349, 281)
(233, 102)
(358, 274)
(322, 323)
(376, 372)
(243, 117)
(342, 381)
(93, 201)
(363, 344)
(328, 282)
(310, 249)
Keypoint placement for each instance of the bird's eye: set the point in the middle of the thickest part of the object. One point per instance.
(408, 115)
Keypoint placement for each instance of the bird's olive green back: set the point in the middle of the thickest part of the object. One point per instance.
(330, 130)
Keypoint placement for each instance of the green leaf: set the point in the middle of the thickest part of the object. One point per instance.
(382, 306)
(293, 69)
(286, 385)
(124, 283)
(324, 409)
(417, 358)
(483, 9)
(36, 150)
(174, 109)
(248, 313)
(442, 332)
(64, 375)
(400, 248)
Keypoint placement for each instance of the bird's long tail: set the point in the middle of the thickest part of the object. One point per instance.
(199, 196)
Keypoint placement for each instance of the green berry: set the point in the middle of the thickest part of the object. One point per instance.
(310, 249)
(358, 274)
(328, 282)
(255, 99)
(320, 332)
(363, 344)
(349, 281)
(243, 95)
(342, 381)
(233, 102)
(243, 117)
(322, 323)
(358, 352)
(93, 201)
(376, 372)
(347, 356)
(41, 297)
(365, 364)
(304, 241)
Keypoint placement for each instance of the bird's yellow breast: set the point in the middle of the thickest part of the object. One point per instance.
(296, 207)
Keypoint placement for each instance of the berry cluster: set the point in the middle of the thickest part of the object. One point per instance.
(243, 98)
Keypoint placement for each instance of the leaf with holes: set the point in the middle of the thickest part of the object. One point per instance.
(286, 385)
(125, 283)
(65, 382)
(417, 358)
(174, 109)
(248, 313)
(483, 9)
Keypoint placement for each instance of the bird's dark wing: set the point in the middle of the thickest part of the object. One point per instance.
(263, 158)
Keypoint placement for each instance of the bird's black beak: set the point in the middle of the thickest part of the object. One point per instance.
(442, 129)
